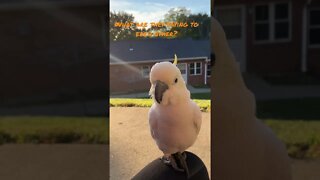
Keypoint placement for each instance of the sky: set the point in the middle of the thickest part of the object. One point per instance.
(153, 11)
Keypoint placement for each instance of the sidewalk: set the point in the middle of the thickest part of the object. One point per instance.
(146, 94)
(87, 108)
(264, 91)
(261, 89)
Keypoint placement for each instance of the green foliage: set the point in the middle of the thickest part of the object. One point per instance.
(28, 129)
(181, 14)
(121, 33)
(203, 104)
(122, 102)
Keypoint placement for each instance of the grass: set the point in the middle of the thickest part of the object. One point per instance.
(205, 96)
(201, 86)
(302, 138)
(128, 102)
(201, 96)
(296, 122)
(27, 129)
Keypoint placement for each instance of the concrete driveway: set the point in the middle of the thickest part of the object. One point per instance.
(132, 147)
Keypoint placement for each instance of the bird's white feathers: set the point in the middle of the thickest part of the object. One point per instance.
(175, 122)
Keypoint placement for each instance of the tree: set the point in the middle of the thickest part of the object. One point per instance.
(177, 14)
(127, 31)
(183, 15)
(203, 30)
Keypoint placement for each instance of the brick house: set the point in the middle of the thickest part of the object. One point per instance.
(273, 36)
(131, 61)
(52, 49)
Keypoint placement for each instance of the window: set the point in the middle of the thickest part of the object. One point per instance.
(314, 27)
(145, 70)
(262, 22)
(230, 19)
(281, 21)
(208, 69)
(182, 68)
(272, 22)
(195, 68)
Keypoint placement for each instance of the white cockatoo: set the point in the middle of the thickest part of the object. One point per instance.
(174, 119)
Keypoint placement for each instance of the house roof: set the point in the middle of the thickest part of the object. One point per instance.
(135, 51)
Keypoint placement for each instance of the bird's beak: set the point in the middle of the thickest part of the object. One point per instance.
(160, 88)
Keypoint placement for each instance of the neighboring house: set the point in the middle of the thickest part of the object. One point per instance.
(279, 36)
(131, 61)
(52, 49)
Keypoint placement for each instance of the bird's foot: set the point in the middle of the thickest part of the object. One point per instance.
(170, 160)
(181, 158)
(165, 160)
(184, 155)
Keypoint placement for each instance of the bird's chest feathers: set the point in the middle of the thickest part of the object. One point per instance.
(175, 116)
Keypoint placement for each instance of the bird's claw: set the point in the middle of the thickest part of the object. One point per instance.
(171, 161)
(165, 160)
(184, 155)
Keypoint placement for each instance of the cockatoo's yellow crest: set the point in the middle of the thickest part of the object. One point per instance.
(175, 60)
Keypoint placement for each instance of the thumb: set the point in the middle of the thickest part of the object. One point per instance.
(219, 43)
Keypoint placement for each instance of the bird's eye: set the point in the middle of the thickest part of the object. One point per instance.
(176, 80)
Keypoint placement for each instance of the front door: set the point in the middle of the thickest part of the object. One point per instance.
(232, 18)
(183, 70)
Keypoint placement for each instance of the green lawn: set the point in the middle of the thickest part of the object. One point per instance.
(296, 122)
(201, 96)
(204, 96)
(37, 129)
(128, 102)
(201, 86)
(302, 138)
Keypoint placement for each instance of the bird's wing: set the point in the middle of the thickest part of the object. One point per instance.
(197, 119)
(153, 123)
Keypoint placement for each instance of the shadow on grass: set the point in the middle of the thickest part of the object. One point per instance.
(290, 109)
